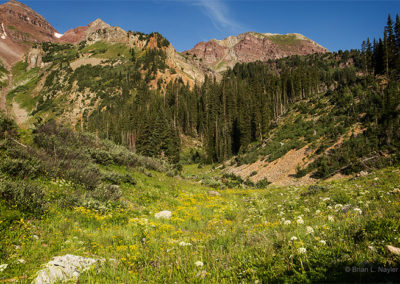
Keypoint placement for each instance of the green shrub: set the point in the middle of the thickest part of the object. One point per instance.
(262, 183)
(116, 178)
(26, 196)
(105, 193)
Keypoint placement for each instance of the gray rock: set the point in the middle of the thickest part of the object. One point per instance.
(362, 174)
(345, 208)
(64, 268)
(215, 193)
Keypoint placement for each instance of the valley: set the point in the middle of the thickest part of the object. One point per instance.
(259, 158)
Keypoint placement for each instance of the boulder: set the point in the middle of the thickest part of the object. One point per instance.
(64, 268)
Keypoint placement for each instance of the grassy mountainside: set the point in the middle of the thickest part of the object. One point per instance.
(50, 207)
(343, 130)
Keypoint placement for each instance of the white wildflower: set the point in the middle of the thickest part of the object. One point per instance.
(338, 206)
(330, 218)
(21, 260)
(326, 199)
(302, 250)
(357, 210)
(287, 222)
(318, 212)
(163, 215)
(3, 267)
(322, 242)
(310, 230)
(294, 238)
(300, 221)
(199, 263)
(184, 244)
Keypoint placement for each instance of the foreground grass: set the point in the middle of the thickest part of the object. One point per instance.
(293, 234)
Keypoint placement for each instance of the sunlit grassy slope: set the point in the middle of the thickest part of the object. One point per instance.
(291, 234)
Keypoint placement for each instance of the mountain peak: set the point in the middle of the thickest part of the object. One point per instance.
(252, 46)
(20, 28)
(98, 24)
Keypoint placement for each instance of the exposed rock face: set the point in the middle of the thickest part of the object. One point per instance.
(250, 47)
(75, 35)
(20, 26)
(95, 31)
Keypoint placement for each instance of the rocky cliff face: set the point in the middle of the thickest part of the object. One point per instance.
(250, 47)
(95, 31)
(20, 26)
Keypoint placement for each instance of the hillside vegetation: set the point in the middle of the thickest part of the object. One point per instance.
(136, 171)
(67, 193)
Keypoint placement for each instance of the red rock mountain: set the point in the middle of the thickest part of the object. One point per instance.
(95, 31)
(20, 27)
(251, 46)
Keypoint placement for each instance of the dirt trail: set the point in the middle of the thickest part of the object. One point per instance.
(5, 90)
(20, 114)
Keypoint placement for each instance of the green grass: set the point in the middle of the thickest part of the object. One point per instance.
(105, 50)
(284, 39)
(23, 95)
(21, 74)
(239, 236)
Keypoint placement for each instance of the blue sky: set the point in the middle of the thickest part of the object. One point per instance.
(333, 24)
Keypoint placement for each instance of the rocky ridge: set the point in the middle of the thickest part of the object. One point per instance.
(250, 47)
(20, 27)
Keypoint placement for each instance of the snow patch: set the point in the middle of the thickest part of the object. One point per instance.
(57, 35)
(3, 32)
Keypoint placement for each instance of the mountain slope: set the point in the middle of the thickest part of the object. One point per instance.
(21, 27)
(250, 47)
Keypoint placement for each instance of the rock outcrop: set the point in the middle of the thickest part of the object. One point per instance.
(64, 268)
(20, 27)
(250, 47)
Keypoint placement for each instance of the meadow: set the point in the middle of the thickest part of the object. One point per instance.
(333, 231)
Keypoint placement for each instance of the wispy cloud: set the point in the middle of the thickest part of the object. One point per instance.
(219, 13)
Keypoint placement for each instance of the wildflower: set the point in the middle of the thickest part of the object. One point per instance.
(310, 230)
(287, 222)
(300, 221)
(318, 212)
(199, 263)
(326, 199)
(183, 244)
(338, 206)
(302, 250)
(163, 215)
(3, 267)
(293, 238)
(322, 242)
(21, 260)
(330, 218)
(358, 210)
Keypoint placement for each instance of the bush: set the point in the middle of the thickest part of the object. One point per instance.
(115, 178)
(262, 183)
(26, 196)
(105, 193)
(8, 128)
(20, 168)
